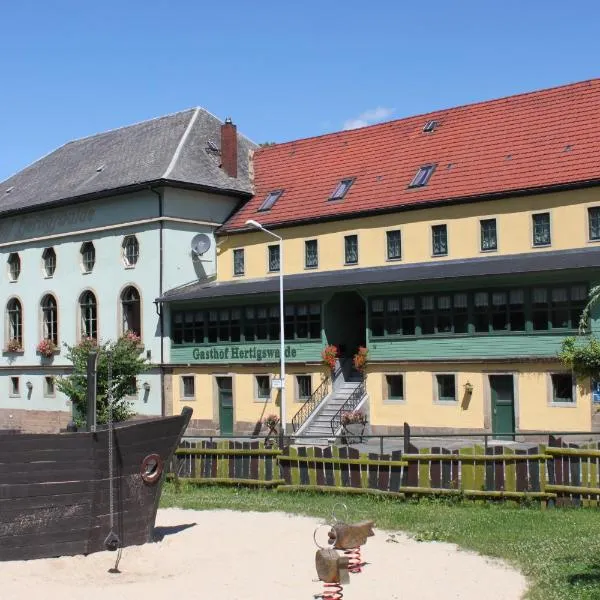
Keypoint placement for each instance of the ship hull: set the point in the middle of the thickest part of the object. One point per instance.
(55, 488)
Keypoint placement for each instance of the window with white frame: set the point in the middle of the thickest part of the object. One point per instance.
(14, 386)
(14, 321)
(49, 310)
(49, 261)
(131, 311)
(238, 261)
(14, 266)
(49, 390)
(88, 313)
(88, 257)
(131, 250)
(262, 387)
(188, 387)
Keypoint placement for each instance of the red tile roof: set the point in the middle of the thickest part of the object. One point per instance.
(526, 142)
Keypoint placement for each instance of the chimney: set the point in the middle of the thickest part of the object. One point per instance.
(229, 148)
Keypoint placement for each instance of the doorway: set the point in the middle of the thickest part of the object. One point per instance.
(502, 393)
(346, 322)
(225, 396)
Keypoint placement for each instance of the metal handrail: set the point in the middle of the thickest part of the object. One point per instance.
(309, 407)
(353, 401)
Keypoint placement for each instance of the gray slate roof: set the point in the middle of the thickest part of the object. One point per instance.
(173, 148)
(531, 262)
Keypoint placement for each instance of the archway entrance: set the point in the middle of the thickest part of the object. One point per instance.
(346, 322)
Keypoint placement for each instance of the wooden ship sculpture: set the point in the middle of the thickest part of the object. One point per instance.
(60, 494)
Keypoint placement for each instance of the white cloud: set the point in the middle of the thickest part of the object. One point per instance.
(373, 115)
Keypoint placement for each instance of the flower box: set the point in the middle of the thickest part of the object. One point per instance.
(47, 348)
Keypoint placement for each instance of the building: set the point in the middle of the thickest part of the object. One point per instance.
(457, 246)
(93, 233)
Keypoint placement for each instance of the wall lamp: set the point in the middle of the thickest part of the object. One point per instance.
(29, 385)
(146, 386)
(468, 388)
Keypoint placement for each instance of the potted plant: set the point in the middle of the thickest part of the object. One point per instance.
(329, 355)
(14, 345)
(360, 359)
(47, 348)
(270, 422)
(353, 426)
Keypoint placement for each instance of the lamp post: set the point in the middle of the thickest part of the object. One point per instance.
(282, 415)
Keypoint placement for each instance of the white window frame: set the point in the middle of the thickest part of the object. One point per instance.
(182, 393)
(386, 397)
(550, 390)
(11, 386)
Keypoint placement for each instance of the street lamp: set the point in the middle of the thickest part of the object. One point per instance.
(282, 416)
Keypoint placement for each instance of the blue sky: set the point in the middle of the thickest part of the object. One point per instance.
(281, 70)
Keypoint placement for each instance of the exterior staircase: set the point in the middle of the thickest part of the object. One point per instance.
(319, 423)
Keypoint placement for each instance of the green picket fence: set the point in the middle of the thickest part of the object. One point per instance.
(559, 473)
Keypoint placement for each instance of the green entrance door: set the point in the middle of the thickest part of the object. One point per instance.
(225, 405)
(503, 406)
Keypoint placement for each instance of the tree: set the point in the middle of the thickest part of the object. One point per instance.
(127, 363)
(593, 298)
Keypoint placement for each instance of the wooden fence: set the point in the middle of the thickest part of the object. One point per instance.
(554, 473)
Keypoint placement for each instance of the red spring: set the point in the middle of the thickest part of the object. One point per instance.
(356, 562)
(332, 591)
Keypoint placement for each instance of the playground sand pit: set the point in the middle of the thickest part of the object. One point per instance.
(257, 556)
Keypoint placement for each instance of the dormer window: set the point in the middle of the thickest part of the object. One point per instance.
(341, 189)
(430, 126)
(423, 176)
(270, 200)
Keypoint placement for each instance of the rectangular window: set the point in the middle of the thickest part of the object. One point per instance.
(562, 387)
(541, 229)
(49, 391)
(188, 387)
(394, 248)
(489, 239)
(304, 383)
(594, 223)
(461, 313)
(263, 387)
(238, 261)
(274, 258)
(351, 249)
(439, 239)
(446, 388)
(270, 200)
(516, 310)
(311, 254)
(14, 387)
(342, 189)
(395, 387)
(422, 177)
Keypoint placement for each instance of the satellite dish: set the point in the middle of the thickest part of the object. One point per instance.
(200, 244)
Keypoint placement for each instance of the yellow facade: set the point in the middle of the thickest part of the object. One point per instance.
(533, 406)
(568, 218)
(534, 409)
(248, 409)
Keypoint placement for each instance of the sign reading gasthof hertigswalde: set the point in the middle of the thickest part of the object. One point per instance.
(234, 353)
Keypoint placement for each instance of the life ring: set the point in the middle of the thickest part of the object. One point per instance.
(151, 469)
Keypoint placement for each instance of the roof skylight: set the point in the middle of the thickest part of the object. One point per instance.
(430, 126)
(270, 200)
(423, 176)
(341, 189)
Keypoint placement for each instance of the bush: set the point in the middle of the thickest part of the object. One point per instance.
(127, 364)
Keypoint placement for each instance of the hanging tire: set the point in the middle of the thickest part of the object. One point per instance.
(151, 469)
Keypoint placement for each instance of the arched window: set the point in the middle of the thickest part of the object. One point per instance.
(131, 250)
(49, 318)
(131, 311)
(88, 311)
(14, 266)
(88, 256)
(49, 260)
(14, 313)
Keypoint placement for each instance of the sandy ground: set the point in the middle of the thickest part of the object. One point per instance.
(256, 556)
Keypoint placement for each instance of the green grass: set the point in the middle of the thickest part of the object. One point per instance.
(557, 549)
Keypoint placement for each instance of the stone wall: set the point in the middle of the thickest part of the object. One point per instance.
(33, 421)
